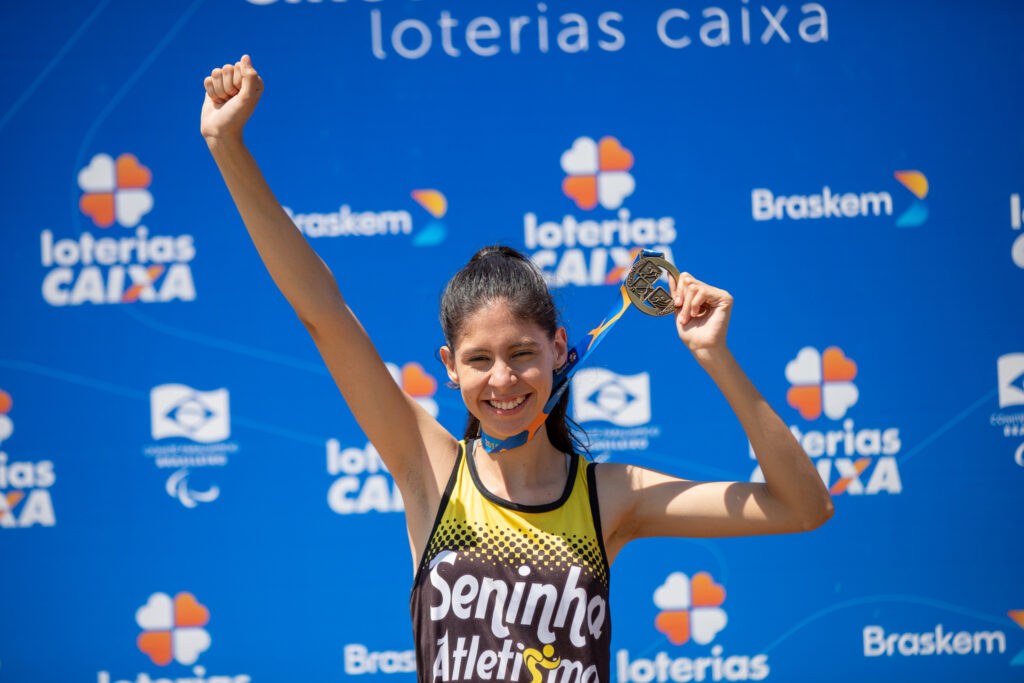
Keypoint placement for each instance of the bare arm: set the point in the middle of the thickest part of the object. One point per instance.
(415, 448)
(643, 502)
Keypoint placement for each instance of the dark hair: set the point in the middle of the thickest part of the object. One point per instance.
(502, 273)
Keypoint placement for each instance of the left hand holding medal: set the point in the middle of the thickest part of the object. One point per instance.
(702, 313)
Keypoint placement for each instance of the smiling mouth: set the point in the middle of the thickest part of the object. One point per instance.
(506, 405)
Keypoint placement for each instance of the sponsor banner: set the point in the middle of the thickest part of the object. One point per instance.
(1009, 419)
(363, 483)
(769, 205)
(359, 660)
(174, 635)
(346, 222)
(614, 409)
(598, 246)
(690, 615)
(198, 425)
(447, 34)
(24, 484)
(1016, 214)
(851, 459)
(130, 263)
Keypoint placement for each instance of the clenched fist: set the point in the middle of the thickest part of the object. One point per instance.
(232, 92)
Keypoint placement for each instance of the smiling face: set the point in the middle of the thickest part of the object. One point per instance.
(504, 366)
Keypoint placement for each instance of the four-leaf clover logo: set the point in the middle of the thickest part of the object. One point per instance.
(172, 628)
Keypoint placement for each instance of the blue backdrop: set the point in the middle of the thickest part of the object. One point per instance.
(183, 493)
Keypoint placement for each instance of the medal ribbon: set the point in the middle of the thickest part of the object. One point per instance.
(563, 374)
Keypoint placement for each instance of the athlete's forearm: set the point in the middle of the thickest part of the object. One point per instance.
(788, 472)
(297, 271)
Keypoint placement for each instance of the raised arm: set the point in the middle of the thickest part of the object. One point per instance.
(642, 502)
(411, 443)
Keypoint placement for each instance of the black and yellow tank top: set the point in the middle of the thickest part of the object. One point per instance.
(509, 592)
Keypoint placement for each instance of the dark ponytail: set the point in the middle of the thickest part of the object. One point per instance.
(502, 273)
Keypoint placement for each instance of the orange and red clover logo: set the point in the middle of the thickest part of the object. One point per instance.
(598, 248)
(856, 461)
(173, 628)
(115, 190)
(821, 381)
(115, 268)
(690, 608)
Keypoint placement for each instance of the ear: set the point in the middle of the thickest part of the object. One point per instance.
(561, 347)
(448, 358)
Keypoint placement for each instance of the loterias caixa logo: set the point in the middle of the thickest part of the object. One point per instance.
(595, 244)
(851, 459)
(122, 264)
(363, 483)
(174, 635)
(691, 613)
(24, 484)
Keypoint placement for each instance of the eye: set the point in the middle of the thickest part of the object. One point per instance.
(522, 354)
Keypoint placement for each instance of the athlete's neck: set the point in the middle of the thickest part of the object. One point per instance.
(532, 474)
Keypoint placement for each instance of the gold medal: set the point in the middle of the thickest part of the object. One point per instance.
(643, 290)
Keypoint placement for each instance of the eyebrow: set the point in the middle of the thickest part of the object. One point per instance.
(481, 349)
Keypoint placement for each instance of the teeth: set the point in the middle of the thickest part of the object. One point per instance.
(507, 405)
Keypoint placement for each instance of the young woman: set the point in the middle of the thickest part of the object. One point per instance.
(511, 547)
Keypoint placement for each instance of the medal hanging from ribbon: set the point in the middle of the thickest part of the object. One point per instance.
(640, 289)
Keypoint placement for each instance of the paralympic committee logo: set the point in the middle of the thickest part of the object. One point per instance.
(691, 614)
(24, 485)
(621, 407)
(174, 633)
(767, 205)
(1009, 419)
(850, 460)
(598, 247)
(344, 222)
(112, 267)
(195, 426)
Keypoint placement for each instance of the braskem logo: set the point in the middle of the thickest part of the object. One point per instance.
(767, 205)
(598, 248)
(359, 659)
(116, 268)
(690, 615)
(390, 222)
(24, 485)
(1018, 618)
(937, 641)
(822, 386)
(174, 633)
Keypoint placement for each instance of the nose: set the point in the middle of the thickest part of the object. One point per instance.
(502, 374)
